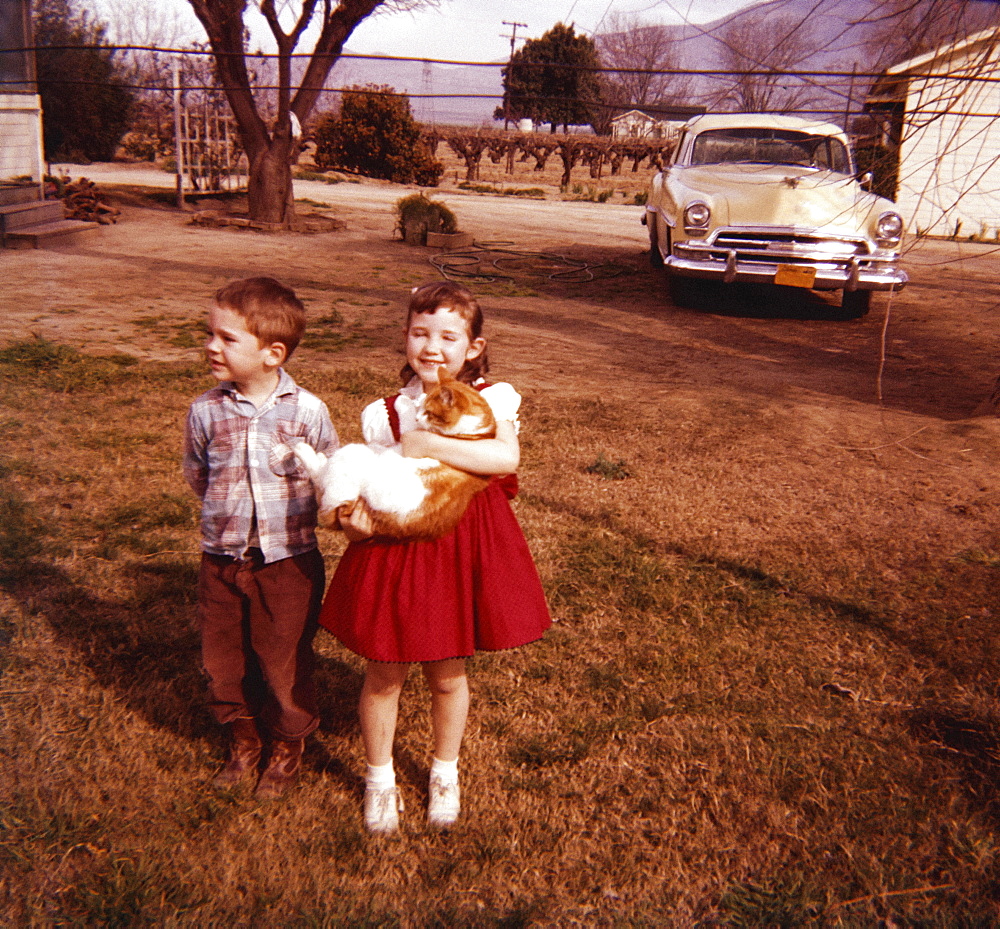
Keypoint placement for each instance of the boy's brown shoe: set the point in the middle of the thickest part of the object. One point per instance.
(282, 769)
(245, 747)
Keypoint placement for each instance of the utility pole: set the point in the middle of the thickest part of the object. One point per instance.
(510, 66)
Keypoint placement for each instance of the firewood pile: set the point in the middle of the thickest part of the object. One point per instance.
(82, 200)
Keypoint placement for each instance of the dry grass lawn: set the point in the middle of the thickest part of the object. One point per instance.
(770, 696)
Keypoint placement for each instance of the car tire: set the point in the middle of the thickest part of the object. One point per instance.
(684, 291)
(856, 303)
(655, 256)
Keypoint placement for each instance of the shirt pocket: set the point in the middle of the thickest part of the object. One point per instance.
(281, 457)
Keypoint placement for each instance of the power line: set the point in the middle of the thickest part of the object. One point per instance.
(695, 72)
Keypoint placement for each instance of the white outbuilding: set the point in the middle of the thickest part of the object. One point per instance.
(941, 113)
(20, 105)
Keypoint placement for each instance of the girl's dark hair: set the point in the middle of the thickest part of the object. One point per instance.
(429, 298)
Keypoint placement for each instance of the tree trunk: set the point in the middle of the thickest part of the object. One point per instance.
(269, 188)
(269, 150)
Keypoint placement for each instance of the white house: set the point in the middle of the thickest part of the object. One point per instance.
(635, 125)
(657, 123)
(942, 112)
(20, 106)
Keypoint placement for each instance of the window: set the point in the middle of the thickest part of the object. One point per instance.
(770, 146)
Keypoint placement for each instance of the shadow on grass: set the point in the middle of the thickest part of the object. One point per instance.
(968, 739)
(628, 573)
(145, 647)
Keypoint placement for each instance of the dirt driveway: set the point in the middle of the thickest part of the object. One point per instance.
(788, 380)
(598, 313)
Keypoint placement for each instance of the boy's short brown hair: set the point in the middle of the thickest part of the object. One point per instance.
(270, 310)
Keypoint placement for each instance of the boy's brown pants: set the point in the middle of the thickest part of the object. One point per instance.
(258, 622)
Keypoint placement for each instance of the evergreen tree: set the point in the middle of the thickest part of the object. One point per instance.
(86, 107)
(553, 80)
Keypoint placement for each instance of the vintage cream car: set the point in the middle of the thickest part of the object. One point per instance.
(767, 198)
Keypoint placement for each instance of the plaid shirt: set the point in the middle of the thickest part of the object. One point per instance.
(239, 460)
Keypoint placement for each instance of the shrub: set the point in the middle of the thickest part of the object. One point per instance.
(417, 214)
(376, 135)
(141, 146)
(883, 163)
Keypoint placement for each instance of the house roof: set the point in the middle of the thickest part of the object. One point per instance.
(664, 113)
(962, 47)
(633, 113)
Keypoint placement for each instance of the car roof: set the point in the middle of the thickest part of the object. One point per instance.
(761, 121)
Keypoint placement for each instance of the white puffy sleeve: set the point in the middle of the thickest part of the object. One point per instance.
(375, 425)
(504, 401)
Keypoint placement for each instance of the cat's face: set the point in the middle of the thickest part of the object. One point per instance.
(439, 339)
(453, 408)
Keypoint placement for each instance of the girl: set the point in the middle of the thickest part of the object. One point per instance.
(435, 602)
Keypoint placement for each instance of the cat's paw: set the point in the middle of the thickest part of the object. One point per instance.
(312, 461)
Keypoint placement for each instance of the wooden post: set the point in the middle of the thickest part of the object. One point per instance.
(178, 134)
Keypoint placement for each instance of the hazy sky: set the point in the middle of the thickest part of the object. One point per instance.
(465, 30)
(474, 30)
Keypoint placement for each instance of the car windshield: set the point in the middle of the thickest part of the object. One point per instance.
(770, 146)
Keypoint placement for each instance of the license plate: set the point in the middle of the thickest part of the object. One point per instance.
(795, 276)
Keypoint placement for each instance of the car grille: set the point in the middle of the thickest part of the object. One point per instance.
(767, 245)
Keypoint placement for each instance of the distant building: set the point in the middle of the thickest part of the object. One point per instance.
(938, 113)
(20, 106)
(652, 123)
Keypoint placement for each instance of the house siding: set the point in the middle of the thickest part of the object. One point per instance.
(20, 130)
(949, 178)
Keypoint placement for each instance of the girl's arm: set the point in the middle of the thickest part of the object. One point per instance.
(501, 455)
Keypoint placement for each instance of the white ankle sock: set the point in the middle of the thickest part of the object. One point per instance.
(380, 777)
(446, 771)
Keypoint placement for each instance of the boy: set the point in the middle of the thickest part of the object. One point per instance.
(261, 579)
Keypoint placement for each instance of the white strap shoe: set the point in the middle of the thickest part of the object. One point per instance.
(382, 809)
(444, 805)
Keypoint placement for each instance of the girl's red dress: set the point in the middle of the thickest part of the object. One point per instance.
(476, 588)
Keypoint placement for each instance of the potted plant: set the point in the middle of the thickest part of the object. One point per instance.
(423, 221)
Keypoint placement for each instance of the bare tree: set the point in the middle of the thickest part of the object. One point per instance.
(903, 29)
(143, 29)
(759, 54)
(269, 144)
(643, 60)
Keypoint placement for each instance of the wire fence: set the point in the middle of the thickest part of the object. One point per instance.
(945, 114)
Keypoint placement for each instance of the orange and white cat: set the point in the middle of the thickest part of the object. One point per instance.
(409, 498)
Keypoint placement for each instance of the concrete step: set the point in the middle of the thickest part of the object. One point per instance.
(57, 232)
(18, 215)
(19, 193)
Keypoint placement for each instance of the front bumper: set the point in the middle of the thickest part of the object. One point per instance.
(816, 265)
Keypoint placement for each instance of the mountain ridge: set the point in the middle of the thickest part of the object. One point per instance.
(838, 35)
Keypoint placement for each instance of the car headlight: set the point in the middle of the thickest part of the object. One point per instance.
(696, 218)
(889, 230)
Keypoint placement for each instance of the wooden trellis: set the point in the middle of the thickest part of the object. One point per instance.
(211, 158)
